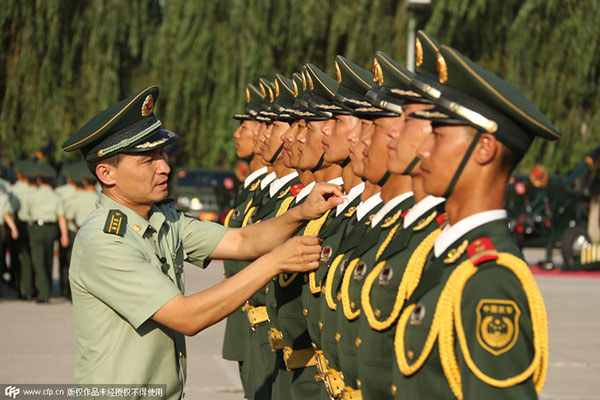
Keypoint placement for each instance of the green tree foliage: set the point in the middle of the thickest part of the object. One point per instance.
(62, 61)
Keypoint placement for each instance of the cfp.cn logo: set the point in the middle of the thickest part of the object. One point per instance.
(11, 391)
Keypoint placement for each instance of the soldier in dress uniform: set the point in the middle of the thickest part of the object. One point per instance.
(47, 221)
(237, 332)
(66, 192)
(127, 263)
(475, 326)
(389, 283)
(7, 225)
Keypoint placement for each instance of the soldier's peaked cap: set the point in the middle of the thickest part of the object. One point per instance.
(128, 126)
(473, 95)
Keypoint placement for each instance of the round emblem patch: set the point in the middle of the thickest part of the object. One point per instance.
(326, 254)
(148, 106)
(343, 267)
(497, 325)
(385, 276)
(236, 213)
(360, 271)
(417, 315)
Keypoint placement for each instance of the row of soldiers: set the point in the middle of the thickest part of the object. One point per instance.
(420, 291)
(34, 216)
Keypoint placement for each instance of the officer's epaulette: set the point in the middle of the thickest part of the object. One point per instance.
(116, 223)
(482, 250)
(295, 189)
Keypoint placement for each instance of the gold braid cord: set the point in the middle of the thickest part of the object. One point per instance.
(285, 204)
(312, 228)
(228, 217)
(248, 206)
(344, 291)
(537, 309)
(329, 282)
(410, 280)
(387, 241)
(248, 214)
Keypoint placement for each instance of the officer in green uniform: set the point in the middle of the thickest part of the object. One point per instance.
(47, 221)
(388, 284)
(237, 333)
(475, 326)
(130, 313)
(25, 172)
(66, 192)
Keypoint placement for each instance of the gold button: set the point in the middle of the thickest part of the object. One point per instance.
(137, 228)
(320, 325)
(339, 297)
(352, 305)
(393, 389)
(305, 278)
(357, 342)
(267, 290)
(338, 337)
(410, 354)
(274, 303)
(377, 312)
(358, 383)
(305, 312)
(100, 153)
(180, 354)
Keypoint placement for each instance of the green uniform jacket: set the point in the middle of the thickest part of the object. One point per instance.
(123, 269)
(376, 352)
(495, 316)
(366, 252)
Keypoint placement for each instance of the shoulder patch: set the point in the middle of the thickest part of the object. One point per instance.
(482, 250)
(116, 223)
(295, 189)
(497, 325)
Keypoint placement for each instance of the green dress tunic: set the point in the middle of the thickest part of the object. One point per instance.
(123, 269)
(495, 318)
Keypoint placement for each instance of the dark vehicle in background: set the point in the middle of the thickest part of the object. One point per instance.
(203, 193)
(558, 212)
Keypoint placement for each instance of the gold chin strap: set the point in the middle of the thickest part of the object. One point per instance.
(410, 280)
(539, 322)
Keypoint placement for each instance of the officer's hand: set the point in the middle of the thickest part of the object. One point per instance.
(298, 254)
(323, 197)
(14, 234)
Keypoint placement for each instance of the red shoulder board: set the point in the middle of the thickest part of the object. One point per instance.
(404, 213)
(443, 217)
(295, 189)
(482, 250)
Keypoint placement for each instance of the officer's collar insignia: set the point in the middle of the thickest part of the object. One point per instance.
(405, 212)
(359, 271)
(497, 325)
(326, 253)
(148, 106)
(368, 221)
(417, 315)
(282, 194)
(385, 276)
(442, 68)
(389, 221)
(418, 53)
(423, 222)
(350, 211)
(295, 189)
(338, 72)
(343, 266)
(455, 253)
(255, 185)
(116, 223)
(377, 72)
(482, 250)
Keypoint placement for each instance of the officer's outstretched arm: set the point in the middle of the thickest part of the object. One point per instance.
(254, 240)
(191, 314)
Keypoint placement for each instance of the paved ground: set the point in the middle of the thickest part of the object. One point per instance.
(37, 344)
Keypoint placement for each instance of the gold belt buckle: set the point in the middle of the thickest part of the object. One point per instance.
(300, 358)
(351, 394)
(332, 379)
(257, 315)
(276, 340)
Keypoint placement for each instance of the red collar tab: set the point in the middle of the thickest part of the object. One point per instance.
(295, 189)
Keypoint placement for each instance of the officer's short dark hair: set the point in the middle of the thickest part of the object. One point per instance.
(113, 160)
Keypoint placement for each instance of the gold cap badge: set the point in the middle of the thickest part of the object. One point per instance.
(271, 94)
(338, 72)
(310, 81)
(276, 88)
(247, 95)
(418, 52)
(377, 72)
(262, 89)
(442, 68)
(303, 81)
(148, 106)
(295, 86)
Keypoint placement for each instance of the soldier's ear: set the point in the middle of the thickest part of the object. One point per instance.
(486, 150)
(106, 173)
